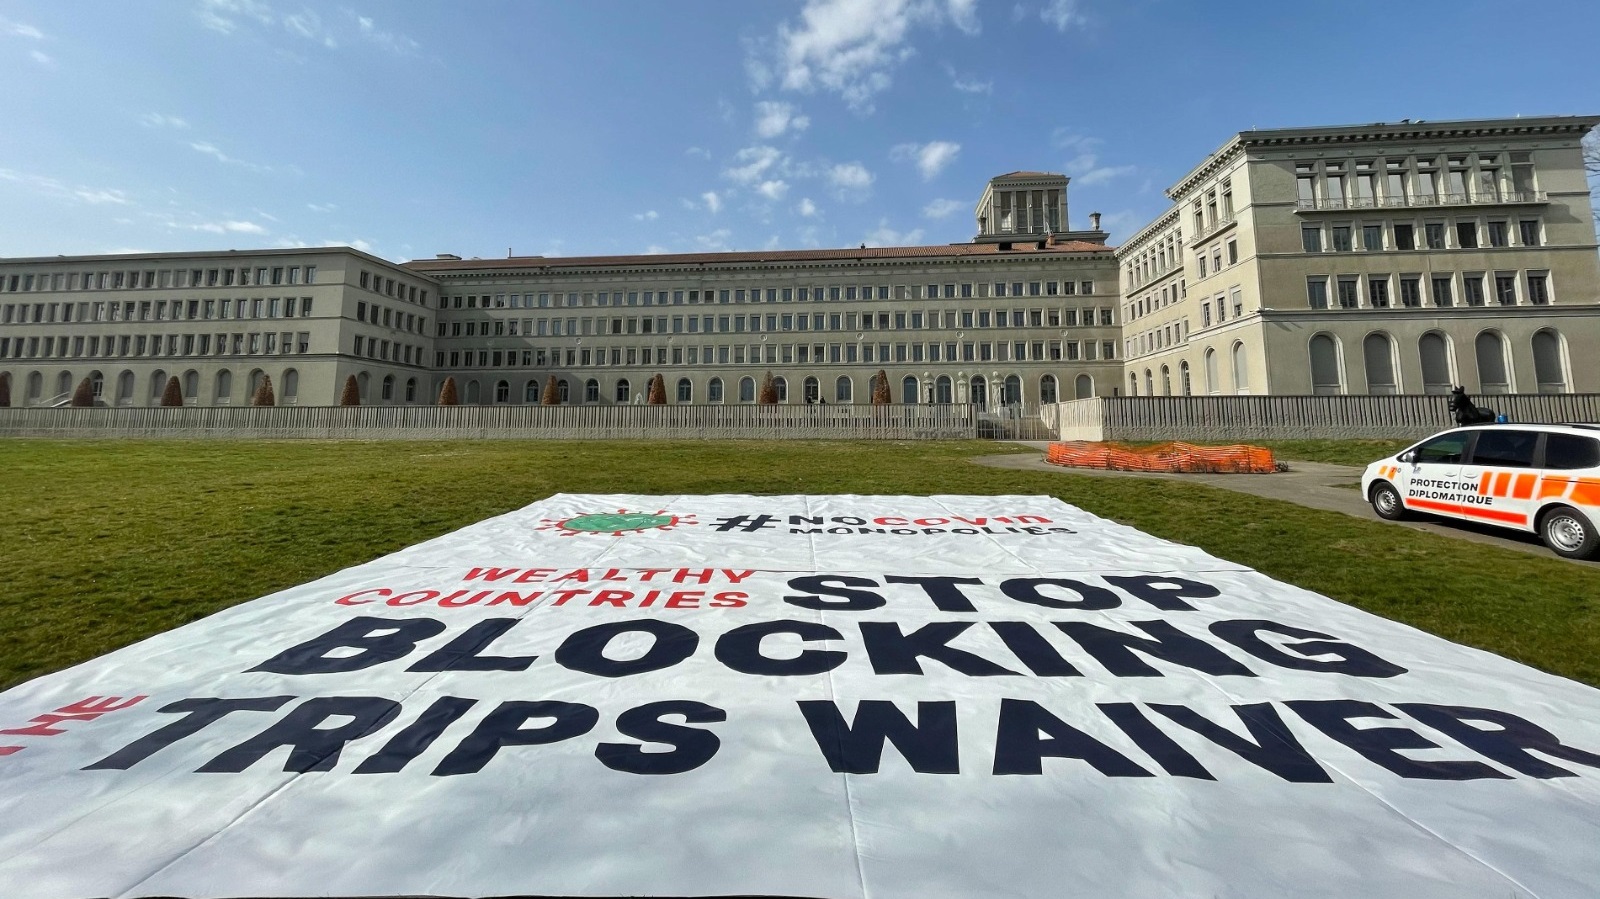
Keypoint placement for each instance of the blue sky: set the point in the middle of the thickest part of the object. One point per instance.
(625, 126)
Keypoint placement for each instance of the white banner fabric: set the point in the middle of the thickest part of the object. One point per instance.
(808, 696)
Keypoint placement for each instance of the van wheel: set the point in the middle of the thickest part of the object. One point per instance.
(1386, 502)
(1569, 533)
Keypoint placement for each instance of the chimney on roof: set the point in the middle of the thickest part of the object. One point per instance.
(1094, 221)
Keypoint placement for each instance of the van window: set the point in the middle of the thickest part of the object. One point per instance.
(1568, 451)
(1444, 449)
(1505, 448)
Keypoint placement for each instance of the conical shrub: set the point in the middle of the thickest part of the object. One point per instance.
(84, 395)
(352, 392)
(5, 390)
(658, 391)
(447, 393)
(264, 395)
(880, 389)
(551, 396)
(173, 394)
(769, 391)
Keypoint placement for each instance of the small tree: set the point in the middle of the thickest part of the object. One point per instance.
(84, 395)
(447, 393)
(173, 394)
(658, 391)
(769, 392)
(551, 395)
(880, 389)
(352, 393)
(5, 389)
(264, 395)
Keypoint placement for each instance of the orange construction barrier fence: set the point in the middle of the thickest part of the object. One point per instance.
(1178, 457)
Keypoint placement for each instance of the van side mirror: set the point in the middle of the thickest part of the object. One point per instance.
(1406, 456)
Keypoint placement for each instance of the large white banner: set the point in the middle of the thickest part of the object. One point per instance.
(818, 696)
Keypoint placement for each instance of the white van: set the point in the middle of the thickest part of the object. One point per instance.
(1539, 478)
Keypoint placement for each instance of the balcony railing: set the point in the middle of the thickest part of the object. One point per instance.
(1500, 198)
(1211, 228)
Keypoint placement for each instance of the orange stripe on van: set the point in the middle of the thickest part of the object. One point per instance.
(1428, 505)
(1483, 483)
(1524, 486)
(1551, 485)
(1587, 492)
(1502, 481)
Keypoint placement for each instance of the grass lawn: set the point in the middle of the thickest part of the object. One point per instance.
(1338, 452)
(105, 543)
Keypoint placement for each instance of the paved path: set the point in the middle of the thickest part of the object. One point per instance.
(1317, 485)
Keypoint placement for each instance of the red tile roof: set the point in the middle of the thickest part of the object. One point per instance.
(1021, 248)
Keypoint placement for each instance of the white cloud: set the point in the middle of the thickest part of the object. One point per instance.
(1063, 14)
(806, 207)
(968, 84)
(98, 197)
(774, 118)
(395, 43)
(308, 24)
(773, 190)
(753, 163)
(715, 242)
(655, 250)
(712, 201)
(1084, 167)
(850, 176)
(849, 47)
(52, 187)
(222, 227)
(225, 15)
(700, 152)
(357, 244)
(939, 209)
(157, 120)
(649, 215)
(19, 29)
(321, 207)
(930, 158)
(42, 58)
(216, 153)
(885, 236)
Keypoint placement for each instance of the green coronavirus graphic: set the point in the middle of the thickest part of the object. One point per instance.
(615, 523)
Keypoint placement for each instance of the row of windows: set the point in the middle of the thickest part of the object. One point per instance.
(1444, 289)
(391, 318)
(156, 310)
(287, 387)
(1455, 234)
(160, 278)
(389, 351)
(786, 354)
(1416, 180)
(1492, 354)
(1162, 257)
(389, 287)
(1155, 300)
(254, 343)
(767, 294)
(949, 319)
(934, 390)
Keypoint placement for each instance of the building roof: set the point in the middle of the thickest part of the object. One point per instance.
(849, 254)
(1028, 175)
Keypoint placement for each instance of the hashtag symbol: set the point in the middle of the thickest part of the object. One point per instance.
(746, 523)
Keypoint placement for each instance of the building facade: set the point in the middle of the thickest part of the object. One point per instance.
(1367, 259)
(1375, 259)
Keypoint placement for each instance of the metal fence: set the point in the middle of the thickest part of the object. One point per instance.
(1228, 418)
(779, 422)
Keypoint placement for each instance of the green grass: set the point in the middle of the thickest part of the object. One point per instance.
(1338, 452)
(106, 543)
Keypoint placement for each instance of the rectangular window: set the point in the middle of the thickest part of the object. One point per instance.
(1528, 230)
(1498, 236)
(1467, 235)
(1372, 237)
(1341, 238)
(1505, 288)
(1539, 288)
(1472, 288)
(1317, 292)
(1441, 291)
(1310, 238)
(1233, 250)
(1378, 291)
(1433, 233)
(1347, 293)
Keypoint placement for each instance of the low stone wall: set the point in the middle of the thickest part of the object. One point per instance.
(1235, 418)
(780, 422)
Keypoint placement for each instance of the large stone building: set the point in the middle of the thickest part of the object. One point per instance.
(1369, 259)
